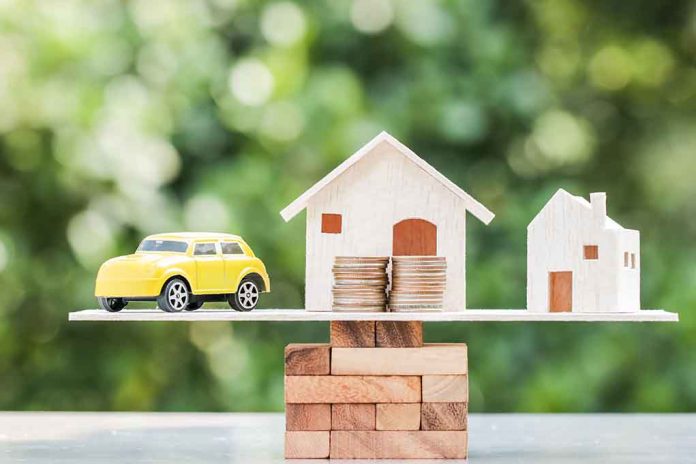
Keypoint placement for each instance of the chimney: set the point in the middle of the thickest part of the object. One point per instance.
(598, 200)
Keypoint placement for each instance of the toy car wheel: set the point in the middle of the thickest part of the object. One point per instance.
(112, 305)
(194, 305)
(247, 296)
(175, 296)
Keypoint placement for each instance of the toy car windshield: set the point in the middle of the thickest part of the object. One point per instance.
(163, 245)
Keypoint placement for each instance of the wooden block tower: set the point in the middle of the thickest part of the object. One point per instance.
(376, 392)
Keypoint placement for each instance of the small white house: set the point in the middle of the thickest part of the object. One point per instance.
(383, 201)
(580, 260)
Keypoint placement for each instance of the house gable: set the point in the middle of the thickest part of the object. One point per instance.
(473, 206)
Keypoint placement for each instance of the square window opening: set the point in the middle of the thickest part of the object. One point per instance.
(591, 252)
(331, 223)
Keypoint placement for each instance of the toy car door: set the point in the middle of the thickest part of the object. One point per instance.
(210, 268)
(235, 262)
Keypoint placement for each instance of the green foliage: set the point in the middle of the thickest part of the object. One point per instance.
(121, 119)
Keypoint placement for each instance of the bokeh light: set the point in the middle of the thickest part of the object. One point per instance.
(283, 23)
(251, 82)
(371, 16)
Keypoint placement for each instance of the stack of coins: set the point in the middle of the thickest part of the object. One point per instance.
(418, 283)
(360, 283)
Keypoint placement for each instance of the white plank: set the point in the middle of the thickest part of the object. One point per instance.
(469, 315)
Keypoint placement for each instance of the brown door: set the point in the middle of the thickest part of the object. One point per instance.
(414, 237)
(560, 291)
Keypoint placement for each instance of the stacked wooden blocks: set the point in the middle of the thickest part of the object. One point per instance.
(376, 392)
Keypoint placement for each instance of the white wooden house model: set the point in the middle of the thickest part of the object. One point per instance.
(384, 201)
(580, 260)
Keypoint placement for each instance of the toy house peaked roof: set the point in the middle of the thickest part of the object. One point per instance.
(473, 206)
(560, 194)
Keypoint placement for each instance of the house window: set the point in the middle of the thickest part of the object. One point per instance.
(331, 223)
(633, 260)
(591, 252)
(626, 259)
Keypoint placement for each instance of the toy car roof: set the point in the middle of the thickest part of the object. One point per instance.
(194, 236)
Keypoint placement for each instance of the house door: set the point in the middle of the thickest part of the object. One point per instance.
(560, 291)
(414, 237)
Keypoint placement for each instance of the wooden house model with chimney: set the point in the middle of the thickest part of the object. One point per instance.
(384, 200)
(580, 260)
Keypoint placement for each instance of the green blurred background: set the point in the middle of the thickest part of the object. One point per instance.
(120, 119)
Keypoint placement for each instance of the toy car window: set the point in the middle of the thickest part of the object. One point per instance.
(204, 249)
(163, 245)
(231, 248)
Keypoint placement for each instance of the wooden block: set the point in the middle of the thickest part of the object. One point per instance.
(429, 359)
(307, 359)
(352, 389)
(394, 334)
(398, 445)
(307, 445)
(353, 333)
(307, 417)
(393, 416)
(443, 416)
(352, 417)
(445, 389)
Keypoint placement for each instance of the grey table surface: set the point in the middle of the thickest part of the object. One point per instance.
(43, 437)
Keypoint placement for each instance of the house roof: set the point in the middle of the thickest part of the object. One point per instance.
(473, 206)
(561, 193)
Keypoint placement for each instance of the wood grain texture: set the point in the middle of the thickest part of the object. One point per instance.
(414, 237)
(399, 334)
(307, 359)
(560, 291)
(353, 416)
(352, 389)
(398, 445)
(352, 333)
(392, 416)
(445, 388)
(556, 241)
(306, 417)
(428, 359)
(307, 445)
(443, 416)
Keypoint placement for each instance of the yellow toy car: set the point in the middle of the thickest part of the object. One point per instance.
(182, 271)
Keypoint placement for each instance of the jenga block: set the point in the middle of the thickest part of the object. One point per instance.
(307, 445)
(307, 417)
(352, 389)
(398, 416)
(429, 359)
(445, 389)
(397, 334)
(307, 359)
(443, 416)
(353, 333)
(398, 445)
(352, 417)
